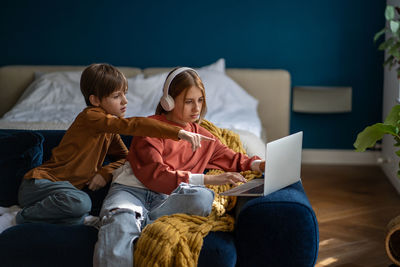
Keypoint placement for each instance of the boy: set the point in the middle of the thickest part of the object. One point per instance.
(52, 192)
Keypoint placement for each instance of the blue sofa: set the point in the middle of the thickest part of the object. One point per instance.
(277, 230)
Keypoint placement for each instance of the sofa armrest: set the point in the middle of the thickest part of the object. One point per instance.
(20, 152)
(280, 229)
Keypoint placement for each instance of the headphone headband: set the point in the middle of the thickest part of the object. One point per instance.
(166, 101)
(171, 78)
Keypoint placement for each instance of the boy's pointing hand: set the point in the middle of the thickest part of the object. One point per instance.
(194, 138)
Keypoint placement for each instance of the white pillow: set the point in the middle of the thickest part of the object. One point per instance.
(219, 66)
(229, 105)
(144, 93)
(253, 145)
(53, 97)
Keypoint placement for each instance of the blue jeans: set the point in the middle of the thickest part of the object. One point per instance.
(52, 202)
(127, 210)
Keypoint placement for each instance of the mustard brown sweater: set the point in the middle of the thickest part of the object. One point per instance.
(93, 135)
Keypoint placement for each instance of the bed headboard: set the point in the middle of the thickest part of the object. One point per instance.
(270, 87)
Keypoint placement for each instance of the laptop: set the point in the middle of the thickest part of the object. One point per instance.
(282, 168)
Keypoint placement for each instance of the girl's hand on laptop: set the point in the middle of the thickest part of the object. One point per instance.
(194, 138)
(96, 182)
(224, 178)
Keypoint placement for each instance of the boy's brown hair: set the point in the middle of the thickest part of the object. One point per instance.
(101, 80)
(180, 84)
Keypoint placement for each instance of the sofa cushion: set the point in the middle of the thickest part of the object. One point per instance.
(42, 244)
(218, 250)
(20, 152)
(51, 139)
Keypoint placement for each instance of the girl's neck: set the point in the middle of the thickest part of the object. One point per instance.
(171, 118)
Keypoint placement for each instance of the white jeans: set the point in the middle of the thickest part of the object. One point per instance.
(127, 210)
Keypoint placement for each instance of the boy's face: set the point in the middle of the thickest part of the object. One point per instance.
(115, 104)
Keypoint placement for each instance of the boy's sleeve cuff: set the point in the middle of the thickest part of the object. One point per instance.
(196, 179)
(255, 165)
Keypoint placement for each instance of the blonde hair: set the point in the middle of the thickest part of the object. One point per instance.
(101, 80)
(180, 84)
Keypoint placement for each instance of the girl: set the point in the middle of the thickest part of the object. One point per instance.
(163, 177)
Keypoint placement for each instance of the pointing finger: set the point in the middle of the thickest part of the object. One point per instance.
(206, 138)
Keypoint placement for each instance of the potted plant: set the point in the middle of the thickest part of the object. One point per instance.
(367, 138)
(392, 44)
(371, 134)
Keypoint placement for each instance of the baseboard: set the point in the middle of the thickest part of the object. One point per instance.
(340, 156)
(390, 169)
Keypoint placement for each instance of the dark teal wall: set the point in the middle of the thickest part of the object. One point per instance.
(319, 42)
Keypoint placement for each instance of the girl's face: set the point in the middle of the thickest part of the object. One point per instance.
(187, 107)
(115, 104)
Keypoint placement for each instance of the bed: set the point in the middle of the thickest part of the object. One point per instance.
(232, 95)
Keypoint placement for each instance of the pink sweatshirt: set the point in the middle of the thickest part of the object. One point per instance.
(162, 164)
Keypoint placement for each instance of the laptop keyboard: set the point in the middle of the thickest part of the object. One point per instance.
(255, 190)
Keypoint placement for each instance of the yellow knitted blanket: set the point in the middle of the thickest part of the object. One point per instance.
(176, 240)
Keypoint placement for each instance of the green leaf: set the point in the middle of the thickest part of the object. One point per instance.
(368, 137)
(383, 46)
(389, 60)
(389, 12)
(394, 26)
(379, 34)
(394, 50)
(396, 53)
(386, 44)
(398, 153)
(394, 116)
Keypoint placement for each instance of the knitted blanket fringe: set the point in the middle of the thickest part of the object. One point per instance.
(176, 240)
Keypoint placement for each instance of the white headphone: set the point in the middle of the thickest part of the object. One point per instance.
(166, 101)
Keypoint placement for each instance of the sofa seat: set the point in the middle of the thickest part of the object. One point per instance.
(276, 230)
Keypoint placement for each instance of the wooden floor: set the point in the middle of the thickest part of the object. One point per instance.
(353, 205)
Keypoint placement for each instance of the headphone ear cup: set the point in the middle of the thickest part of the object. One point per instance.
(167, 102)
